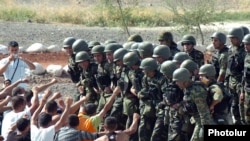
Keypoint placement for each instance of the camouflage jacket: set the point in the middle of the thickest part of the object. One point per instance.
(197, 56)
(195, 103)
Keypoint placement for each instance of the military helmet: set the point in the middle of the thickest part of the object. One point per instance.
(91, 44)
(190, 65)
(165, 36)
(188, 39)
(130, 59)
(246, 39)
(145, 49)
(162, 51)
(68, 42)
(180, 57)
(245, 30)
(82, 56)
(135, 38)
(134, 46)
(97, 49)
(119, 53)
(149, 64)
(181, 74)
(80, 45)
(236, 32)
(112, 47)
(208, 70)
(127, 45)
(219, 35)
(109, 41)
(168, 67)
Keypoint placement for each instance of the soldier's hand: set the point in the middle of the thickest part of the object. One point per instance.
(211, 108)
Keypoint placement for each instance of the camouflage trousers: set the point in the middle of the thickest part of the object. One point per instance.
(198, 134)
(237, 106)
(247, 107)
(116, 111)
(146, 128)
(160, 132)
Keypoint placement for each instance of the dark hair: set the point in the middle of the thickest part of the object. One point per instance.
(17, 90)
(22, 124)
(73, 120)
(111, 123)
(28, 95)
(90, 108)
(17, 101)
(44, 119)
(13, 44)
(51, 106)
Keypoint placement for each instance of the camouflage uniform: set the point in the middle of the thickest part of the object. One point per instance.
(150, 96)
(246, 79)
(194, 103)
(234, 74)
(197, 56)
(221, 61)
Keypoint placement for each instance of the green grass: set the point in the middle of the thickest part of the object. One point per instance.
(99, 15)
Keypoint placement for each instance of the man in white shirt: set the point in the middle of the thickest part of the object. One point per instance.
(14, 67)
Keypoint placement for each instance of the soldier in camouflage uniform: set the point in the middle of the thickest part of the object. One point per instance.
(145, 49)
(188, 42)
(218, 97)
(245, 94)
(161, 53)
(166, 38)
(192, 67)
(88, 81)
(180, 57)
(103, 76)
(234, 73)
(194, 102)
(135, 76)
(172, 97)
(73, 68)
(150, 96)
(219, 41)
(123, 86)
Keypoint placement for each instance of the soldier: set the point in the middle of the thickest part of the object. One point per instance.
(234, 73)
(135, 38)
(73, 69)
(123, 87)
(218, 97)
(188, 42)
(194, 102)
(103, 76)
(150, 96)
(172, 97)
(135, 75)
(180, 57)
(88, 82)
(145, 49)
(161, 54)
(192, 67)
(245, 94)
(219, 41)
(166, 38)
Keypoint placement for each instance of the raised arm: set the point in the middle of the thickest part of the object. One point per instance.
(77, 104)
(3, 67)
(7, 91)
(34, 117)
(133, 127)
(30, 64)
(109, 104)
(3, 103)
(42, 87)
(64, 116)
